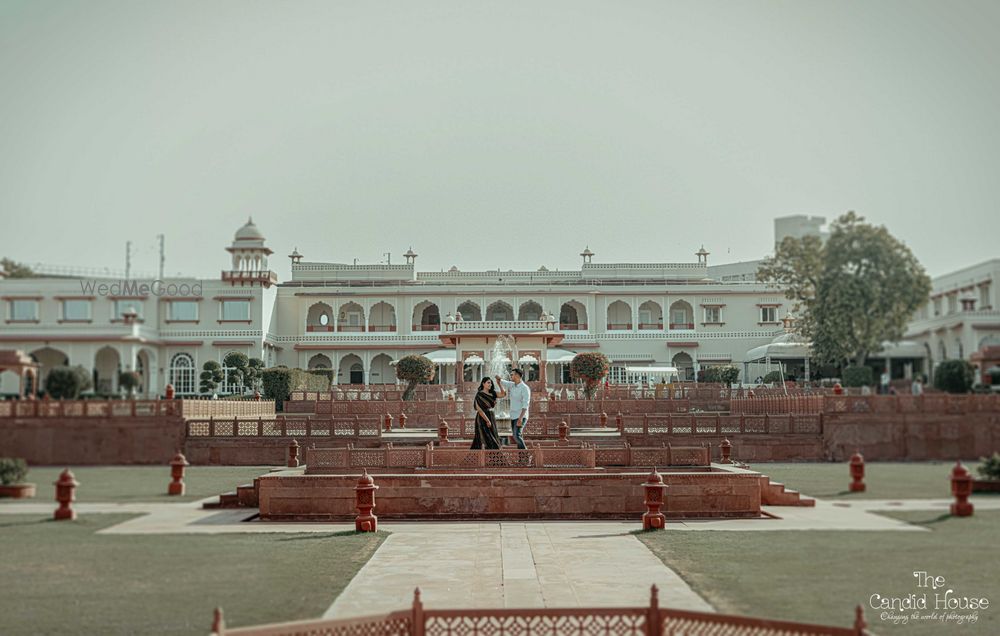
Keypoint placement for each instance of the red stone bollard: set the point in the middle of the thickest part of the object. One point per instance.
(442, 432)
(177, 466)
(256, 395)
(857, 472)
(563, 431)
(620, 423)
(837, 389)
(656, 490)
(604, 420)
(961, 487)
(402, 420)
(364, 496)
(293, 454)
(726, 447)
(169, 392)
(388, 422)
(65, 495)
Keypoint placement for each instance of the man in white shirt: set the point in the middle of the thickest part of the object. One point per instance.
(520, 399)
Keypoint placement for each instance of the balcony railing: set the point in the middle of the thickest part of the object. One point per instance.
(423, 327)
(501, 325)
(573, 326)
(383, 328)
(619, 326)
(682, 325)
(319, 327)
(650, 325)
(351, 328)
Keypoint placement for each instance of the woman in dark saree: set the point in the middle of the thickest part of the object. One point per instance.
(486, 425)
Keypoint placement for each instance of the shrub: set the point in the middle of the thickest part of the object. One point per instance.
(211, 376)
(727, 374)
(12, 471)
(67, 382)
(773, 377)
(129, 380)
(591, 367)
(251, 375)
(990, 467)
(414, 369)
(954, 376)
(277, 383)
(859, 376)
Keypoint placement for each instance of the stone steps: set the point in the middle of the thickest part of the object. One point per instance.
(245, 496)
(775, 494)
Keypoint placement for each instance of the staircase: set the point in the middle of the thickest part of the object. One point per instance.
(245, 496)
(775, 494)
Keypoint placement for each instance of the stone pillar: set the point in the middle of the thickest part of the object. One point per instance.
(655, 489)
(961, 487)
(65, 494)
(177, 466)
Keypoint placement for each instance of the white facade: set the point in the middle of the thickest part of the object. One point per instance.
(962, 314)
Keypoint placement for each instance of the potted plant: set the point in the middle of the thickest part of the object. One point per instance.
(989, 472)
(12, 473)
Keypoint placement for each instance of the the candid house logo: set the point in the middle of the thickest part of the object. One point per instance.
(934, 600)
(137, 288)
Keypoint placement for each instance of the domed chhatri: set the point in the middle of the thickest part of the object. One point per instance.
(249, 258)
(249, 232)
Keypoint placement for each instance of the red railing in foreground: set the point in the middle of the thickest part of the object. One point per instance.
(611, 621)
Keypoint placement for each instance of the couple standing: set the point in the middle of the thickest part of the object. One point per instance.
(486, 398)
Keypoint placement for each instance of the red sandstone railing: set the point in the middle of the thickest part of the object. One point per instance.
(89, 408)
(928, 403)
(237, 428)
(722, 424)
(606, 621)
(776, 404)
(583, 456)
(227, 408)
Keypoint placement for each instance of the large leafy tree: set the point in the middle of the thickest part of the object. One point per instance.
(13, 269)
(852, 293)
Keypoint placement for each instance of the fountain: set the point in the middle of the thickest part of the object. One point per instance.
(501, 358)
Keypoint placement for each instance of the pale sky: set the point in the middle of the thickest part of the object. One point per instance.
(493, 134)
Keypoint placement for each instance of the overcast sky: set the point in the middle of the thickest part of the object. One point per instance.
(493, 134)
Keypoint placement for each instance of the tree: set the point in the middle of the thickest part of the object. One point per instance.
(237, 363)
(13, 269)
(129, 380)
(853, 293)
(590, 367)
(414, 369)
(723, 374)
(67, 382)
(954, 376)
(251, 375)
(211, 376)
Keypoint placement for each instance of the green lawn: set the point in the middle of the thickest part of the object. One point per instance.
(61, 577)
(142, 483)
(819, 576)
(884, 480)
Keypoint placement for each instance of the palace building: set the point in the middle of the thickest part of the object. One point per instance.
(358, 319)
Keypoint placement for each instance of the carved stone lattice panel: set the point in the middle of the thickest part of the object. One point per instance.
(247, 429)
(197, 429)
(368, 458)
(224, 429)
(489, 624)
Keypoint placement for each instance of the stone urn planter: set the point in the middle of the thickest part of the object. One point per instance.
(17, 491)
(12, 474)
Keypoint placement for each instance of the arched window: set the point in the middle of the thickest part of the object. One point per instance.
(232, 383)
(182, 373)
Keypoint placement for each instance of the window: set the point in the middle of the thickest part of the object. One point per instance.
(713, 314)
(182, 310)
(76, 309)
(680, 316)
(236, 310)
(232, 381)
(24, 310)
(937, 306)
(121, 306)
(984, 296)
(769, 314)
(182, 373)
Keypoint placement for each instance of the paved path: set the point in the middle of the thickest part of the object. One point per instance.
(513, 564)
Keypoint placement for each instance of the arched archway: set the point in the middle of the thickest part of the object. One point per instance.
(500, 310)
(382, 371)
(145, 365)
(382, 317)
(320, 361)
(350, 317)
(319, 318)
(426, 317)
(529, 310)
(650, 315)
(470, 311)
(107, 366)
(685, 366)
(182, 374)
(681, 315)
(573, 316)
(619, 316)
(48, 358)
(352, 371)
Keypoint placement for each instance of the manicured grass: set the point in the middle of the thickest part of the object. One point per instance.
(142, 483)
(61, 577)
(884, 480)
(819, 576)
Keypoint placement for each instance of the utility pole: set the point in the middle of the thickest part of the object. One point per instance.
(128, 259)
(163, 258)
